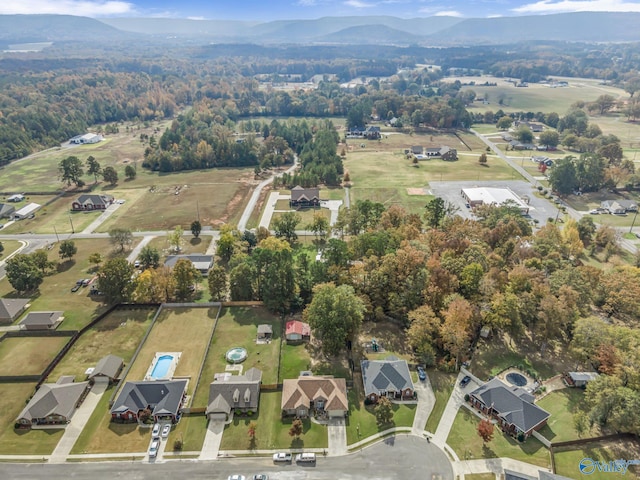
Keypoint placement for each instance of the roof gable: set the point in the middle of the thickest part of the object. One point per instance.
(380, 375)
(164, 397)
(302, 391)
(108, 366)
(238, 391)
(10, 307)
(54, 399)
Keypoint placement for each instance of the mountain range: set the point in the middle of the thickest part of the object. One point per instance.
(383, 30)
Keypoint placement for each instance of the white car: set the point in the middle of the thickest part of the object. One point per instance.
(595, 212)
(165, 430)
(236, 477)
(153, 449)
(282, 457)
(156, 430)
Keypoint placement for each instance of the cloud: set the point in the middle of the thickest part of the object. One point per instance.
(196, 18)
(448, 13)
(358, 4)
(88, 8)
(307, 3)
(551, 6)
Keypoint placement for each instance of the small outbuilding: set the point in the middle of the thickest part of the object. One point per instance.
(26, 211)
(11, 308)
(202, 263)
(265, 332)
(107, 369)
(297, 331)
(580, 379)
(41, 320)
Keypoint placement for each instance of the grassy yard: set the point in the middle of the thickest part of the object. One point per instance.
(184, 330)
(480, 476)
(10, 246)
(362, 417)
(118, 334)
(238, 327)
(55, 291)
(272, 432)
(562, 405)
(294, 359)
(463, 432)
(191, 430)
(28, 355)
(496, 354)
(306, 215)
(25, 442)
(442, 385)
(190, 245)
(567, 461)
(100, 435)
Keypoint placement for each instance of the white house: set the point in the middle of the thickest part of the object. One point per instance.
(25, 211)
(86, 138)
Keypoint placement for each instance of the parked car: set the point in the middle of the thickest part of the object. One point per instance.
(236, 477)
(595, 212)
(422, 375)
(136, 264)
(86, 282)
(465, 381)
(156, 430)
(281, 457)
(260, 476)
(76, 287)
(637, 235)
(306, 458)
(79, 282)
(153, 449)
(165, 430)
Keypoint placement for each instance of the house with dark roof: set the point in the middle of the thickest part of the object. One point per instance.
(512, 406)
(304, 197)
(613, 207)
(387, 378)
(53, 404)
(372, 132)
(6, 210)
(314, 395)
(161, 399)
(92, 201)
(107, 369)
(297, 331)
(41, 321)
(11, 308)
(237, 393)
(202, 263)
(444, 152)
(579, 379)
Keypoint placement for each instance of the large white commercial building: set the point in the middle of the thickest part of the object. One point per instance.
(493, 196)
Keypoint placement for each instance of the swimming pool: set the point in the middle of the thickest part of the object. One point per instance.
(236, 355)
(162, 366)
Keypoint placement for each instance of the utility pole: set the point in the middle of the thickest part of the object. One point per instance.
(72, 229)
(633, 222)
(56, 232)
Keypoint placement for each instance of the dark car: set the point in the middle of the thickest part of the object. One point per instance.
(465, 381)
(422, 375)
(76, 287)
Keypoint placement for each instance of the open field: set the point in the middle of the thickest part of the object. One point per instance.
(10, 246)
(238, 327)
(55, 292)
(496, 354)
(183, 330)
(567, 460)
(562, 405)
(119, 334)
(361, 422)
(464, 429)
(55, 217)
(100, 435)
(272, 432)
(442, 385)
(28, 355)
(24, 442)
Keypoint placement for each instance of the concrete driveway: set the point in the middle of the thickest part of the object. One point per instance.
(212, 440)
(451, 410)
(337, 432)
(426, 401)
(78, 421)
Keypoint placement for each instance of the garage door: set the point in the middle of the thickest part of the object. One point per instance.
(218, 416)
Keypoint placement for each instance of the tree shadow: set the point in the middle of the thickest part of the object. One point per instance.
(195, 241)
(487, 452)
(65, 266)
(297, 443)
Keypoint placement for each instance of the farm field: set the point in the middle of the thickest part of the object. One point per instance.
(238, 327)
(55, 292)
(28, 355)
(184, 330)
(26, 442)
(118, 334)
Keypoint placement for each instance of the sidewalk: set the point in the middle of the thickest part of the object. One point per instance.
(78, 421)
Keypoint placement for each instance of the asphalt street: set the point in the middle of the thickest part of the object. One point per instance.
(401, 458)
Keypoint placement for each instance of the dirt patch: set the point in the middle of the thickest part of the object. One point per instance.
(416, 191)
(232, 206)
(390, 336)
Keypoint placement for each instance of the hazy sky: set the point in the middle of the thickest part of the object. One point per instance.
(287, 9)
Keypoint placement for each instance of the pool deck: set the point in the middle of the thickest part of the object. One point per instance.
(531, 385)
(170, 371)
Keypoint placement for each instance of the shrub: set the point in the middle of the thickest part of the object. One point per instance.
(250, 413)
(539, 188)
(177, 445)
(466, 397)
(521, 437)
(367, 401)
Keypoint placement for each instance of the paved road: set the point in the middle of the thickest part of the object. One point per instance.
(102, 218)
(400, 457)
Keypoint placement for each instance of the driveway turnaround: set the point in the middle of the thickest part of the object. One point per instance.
(78, 421)
(212, 440)
(337, 432)
(426, 402)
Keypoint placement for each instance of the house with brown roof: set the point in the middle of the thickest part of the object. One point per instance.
(304, 197)
(107, 369)
(11, 308)
(314, 395)
(53, 403)
(237, 393)
(41, 321)
(297, 331)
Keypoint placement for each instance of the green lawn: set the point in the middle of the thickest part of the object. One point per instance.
(191, 430)
(567, 461)
(294, 359)
(442, 385)
(464, 440)
(24, 442)
(362, 418)
(238, 327)
(272, 432)
(100, 435)
(119, 334)
(10, 246)
(562, 405)
(480, 476)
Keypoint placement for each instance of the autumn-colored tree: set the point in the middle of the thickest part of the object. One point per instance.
(296, 428)
(251, 431)
(485, 430)
(424, 333)
(456, 328)
(608, 358)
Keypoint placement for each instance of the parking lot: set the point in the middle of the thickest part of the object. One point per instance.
(540, 209)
